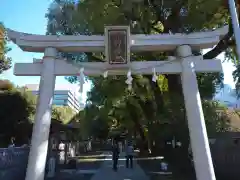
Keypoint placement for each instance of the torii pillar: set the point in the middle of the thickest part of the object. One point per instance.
(196, 122)
(39, 143)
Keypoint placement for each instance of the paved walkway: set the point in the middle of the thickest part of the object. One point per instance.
(105, 171)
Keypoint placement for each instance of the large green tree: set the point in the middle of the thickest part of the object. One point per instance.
(63, 114)
(149, 106)
(17, 110)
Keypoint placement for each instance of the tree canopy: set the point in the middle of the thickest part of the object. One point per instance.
(149, 109)
(63, 114)
(18, 109)
(5, 62)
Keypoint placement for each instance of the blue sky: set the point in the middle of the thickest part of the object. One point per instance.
(29, 16)
(26, 16)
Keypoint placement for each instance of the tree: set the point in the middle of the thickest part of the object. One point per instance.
(6, 85)
(62, 113)
(5, 62)
(149, 106)
(93, 123)
(17, 109)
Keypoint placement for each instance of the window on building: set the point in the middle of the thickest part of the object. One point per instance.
(58, 102)
(73, 97)
(74, 103)
(60, 96)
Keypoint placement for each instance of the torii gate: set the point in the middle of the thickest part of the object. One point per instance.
(183, 63)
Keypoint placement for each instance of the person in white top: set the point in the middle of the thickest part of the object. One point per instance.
(61, 148)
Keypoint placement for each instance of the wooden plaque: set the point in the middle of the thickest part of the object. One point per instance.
(117, 44)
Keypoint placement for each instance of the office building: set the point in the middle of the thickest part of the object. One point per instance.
(227, 96)
(64, 95)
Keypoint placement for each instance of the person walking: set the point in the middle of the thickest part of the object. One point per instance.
(129, 155)
(115, 155)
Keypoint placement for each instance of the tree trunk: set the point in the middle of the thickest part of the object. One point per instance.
(135, 120)
(174, 83)
(157, 93)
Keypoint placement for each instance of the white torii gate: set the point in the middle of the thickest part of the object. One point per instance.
(184, 63)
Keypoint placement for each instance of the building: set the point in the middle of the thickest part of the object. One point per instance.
(227, 96)
(64, 95)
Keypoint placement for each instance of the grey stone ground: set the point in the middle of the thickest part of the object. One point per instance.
(105, 171)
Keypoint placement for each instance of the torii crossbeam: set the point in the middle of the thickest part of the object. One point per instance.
(63, 68)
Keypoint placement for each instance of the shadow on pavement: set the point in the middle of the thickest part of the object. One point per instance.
(87, 164)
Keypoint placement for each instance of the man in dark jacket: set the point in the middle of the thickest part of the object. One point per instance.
(129, 155)
(115, 155)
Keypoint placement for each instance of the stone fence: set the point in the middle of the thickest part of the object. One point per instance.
(13, 160)
(13, 163)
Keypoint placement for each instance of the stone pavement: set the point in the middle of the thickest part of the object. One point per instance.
(105, 171)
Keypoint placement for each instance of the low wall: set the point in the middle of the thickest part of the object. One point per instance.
(227, 165)
(13, 163)
(226, 156)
